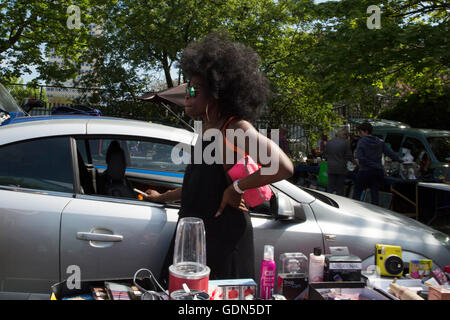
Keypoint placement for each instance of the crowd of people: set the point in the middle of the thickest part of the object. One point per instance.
(362, 153)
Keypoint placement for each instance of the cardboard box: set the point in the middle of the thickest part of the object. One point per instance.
(340, 265)
(342, 268)
(293, 287)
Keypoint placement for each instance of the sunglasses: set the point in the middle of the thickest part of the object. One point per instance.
(191, 91)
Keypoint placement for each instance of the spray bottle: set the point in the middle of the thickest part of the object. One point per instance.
(267, 273)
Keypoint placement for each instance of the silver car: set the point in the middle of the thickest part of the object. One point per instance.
(55, 213)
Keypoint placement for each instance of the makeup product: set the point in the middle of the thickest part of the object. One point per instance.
(99, 293)
(340, 265)
(232, 293)
(292, 276)
(425, 267)
(232, 289)
(117, 291)
(316, 265)
(414, 269)
(267, 273)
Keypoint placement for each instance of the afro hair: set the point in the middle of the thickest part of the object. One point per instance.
(231, 74)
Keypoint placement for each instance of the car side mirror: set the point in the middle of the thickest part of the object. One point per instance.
(288, 209)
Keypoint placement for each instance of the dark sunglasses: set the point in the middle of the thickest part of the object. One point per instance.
(191, 91)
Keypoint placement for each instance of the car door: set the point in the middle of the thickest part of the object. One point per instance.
(108, 237)
(112, 238)
(36, 183)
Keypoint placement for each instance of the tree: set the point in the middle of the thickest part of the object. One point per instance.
(422, 110)
(150, 34)
(355, 63)
(32, 30)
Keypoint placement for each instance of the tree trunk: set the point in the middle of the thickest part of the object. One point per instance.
(166, 68)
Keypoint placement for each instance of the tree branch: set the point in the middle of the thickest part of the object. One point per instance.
(424, 9)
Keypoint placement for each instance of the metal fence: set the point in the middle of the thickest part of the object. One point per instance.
(40, 112)
(66, 95)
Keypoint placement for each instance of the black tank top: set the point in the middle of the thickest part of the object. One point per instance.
(229, 237)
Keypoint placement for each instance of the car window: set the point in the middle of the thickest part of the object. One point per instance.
(415, 146)
(81, 147)
(149, 156)
(440, 147)
(44, 164)
(321, 197)
(394, 140)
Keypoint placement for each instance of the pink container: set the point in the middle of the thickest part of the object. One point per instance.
(267, 273)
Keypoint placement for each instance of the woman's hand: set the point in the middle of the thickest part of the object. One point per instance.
(166, 197)
(232, 198)
(152, 195)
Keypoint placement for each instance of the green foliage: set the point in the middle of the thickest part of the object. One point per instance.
(422, 110)
(30, 30)
(409, 51)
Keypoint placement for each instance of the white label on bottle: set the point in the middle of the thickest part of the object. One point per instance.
(345, 265)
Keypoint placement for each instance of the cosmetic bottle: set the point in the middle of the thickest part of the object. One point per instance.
(267, 273)
(316, 264)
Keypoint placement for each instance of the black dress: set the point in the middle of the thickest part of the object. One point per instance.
(229, 237)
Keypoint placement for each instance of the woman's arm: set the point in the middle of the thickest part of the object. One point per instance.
(276, 165)
(168, 196)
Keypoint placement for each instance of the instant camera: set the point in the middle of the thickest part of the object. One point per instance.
(388, 260)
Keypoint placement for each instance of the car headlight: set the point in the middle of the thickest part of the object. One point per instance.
(443, 239)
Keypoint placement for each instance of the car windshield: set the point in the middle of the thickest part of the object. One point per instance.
(440, 147)
(7, 102)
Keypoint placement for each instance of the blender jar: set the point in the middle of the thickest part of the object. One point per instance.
(189, 259)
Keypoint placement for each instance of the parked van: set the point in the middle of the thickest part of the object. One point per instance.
(430, 148)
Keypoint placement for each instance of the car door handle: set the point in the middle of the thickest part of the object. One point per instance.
(100, 237)
(330, 237)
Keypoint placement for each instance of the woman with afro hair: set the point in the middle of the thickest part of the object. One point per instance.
(225, 90)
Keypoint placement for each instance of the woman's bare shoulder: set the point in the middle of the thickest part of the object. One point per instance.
(240, 124)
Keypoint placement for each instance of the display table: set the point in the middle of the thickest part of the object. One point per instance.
(438, 188)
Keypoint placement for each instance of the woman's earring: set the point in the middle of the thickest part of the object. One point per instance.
(207, 117)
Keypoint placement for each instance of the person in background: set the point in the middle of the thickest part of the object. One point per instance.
(337, 153)
(353, 142)
(323, 143)
(284, 143)
(369, 152)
